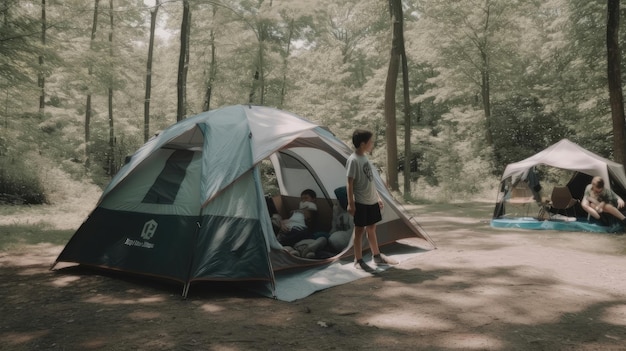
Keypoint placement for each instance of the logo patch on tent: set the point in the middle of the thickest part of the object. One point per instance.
(148, 231)
(149, 228)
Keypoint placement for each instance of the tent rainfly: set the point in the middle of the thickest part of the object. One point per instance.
(189, 205)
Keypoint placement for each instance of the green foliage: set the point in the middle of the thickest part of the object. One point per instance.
(51, 136)
(268, 178)
(423, 163)
(54, 101)
(458, 172)
(521, 128)
(19, 183)
(597, 142)
(4, 147)
(449, 168)
(324, 60)
(15, 236)
(428, 167)
(106, 164)
(16, 43)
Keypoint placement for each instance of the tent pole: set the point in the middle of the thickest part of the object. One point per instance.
(191, 258)
(422, 231)
(501, 195)
(186, 290)
(272, 284)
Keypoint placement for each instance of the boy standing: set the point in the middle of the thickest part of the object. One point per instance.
(364, 203)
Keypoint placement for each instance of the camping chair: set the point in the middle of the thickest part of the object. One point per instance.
(521, 197)
(521, 194)
(562, 199)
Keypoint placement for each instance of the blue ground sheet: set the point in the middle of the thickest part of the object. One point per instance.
(578, 225)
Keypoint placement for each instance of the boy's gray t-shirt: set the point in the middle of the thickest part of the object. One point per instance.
(359, 168)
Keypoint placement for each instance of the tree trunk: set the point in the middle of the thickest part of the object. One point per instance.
(407, 105)
(485, 96)
(285, 62)
(407, 122)
(212, 68)
(262, 72)
(111, 153)
(615, 81)
(42, 76)
(146, 103)
(258, 78)
(94, 27)
(187, 57)
(390, 95)
(255, 79)
(183, 62)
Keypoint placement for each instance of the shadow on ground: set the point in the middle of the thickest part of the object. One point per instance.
(482, 289)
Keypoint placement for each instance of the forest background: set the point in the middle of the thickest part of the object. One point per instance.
(83, 84)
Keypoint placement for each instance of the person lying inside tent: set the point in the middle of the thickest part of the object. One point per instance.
(598, 200)
(308, 248)
(323, 244)
(342, 223)
(296, 228)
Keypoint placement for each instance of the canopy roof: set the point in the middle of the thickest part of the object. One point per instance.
(570, 156)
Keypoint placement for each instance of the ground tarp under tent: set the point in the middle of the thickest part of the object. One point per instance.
(525, 201)
(190, 205)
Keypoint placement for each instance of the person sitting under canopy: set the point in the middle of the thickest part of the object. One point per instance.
(597, 200)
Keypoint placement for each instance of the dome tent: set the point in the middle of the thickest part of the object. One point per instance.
(190, 206)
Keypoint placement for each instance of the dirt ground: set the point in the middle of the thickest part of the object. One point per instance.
(482, 289)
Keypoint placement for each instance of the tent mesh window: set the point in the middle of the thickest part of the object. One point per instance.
(166, 186)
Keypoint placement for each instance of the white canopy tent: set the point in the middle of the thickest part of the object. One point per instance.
(570, 156)
(564, 155)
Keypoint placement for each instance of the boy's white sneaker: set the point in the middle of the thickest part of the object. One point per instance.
(360, 264)
(382, 259)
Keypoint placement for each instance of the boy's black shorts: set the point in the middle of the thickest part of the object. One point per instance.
(365, 215)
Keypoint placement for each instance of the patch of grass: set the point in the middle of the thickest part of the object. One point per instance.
(16, 211)
(410, 199)
(19, 183)
(16, 236)
(10, 210)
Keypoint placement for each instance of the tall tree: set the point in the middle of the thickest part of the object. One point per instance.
(395, 8)
(41, 77)
(111, 169)
(88, 111)
(258, 78)
(212, 70)
(262, 19)
(146, 111)
(354, 27)
(290, 33)
(19, 49)
(615, 80)
(183, 62)
(475, 40)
